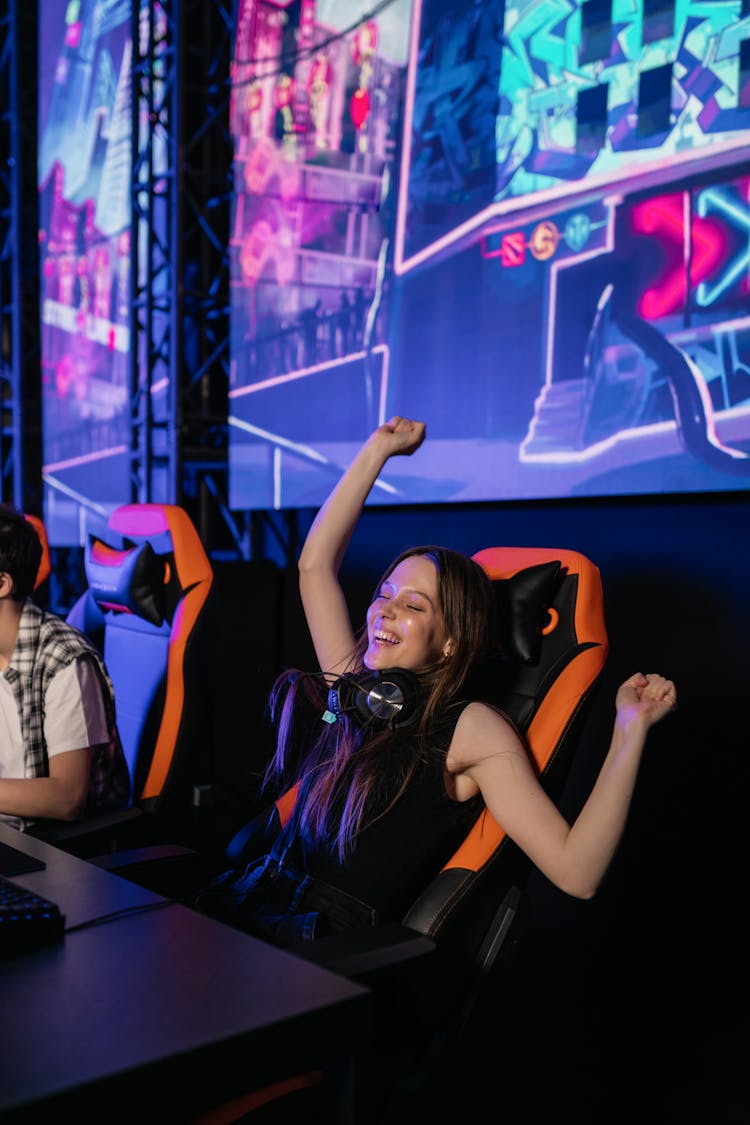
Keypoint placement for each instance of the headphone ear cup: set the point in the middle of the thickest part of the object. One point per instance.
(393, 696)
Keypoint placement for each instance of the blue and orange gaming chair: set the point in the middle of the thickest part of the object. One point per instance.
(146, 608)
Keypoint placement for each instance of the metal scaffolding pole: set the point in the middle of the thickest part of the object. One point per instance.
(182, 190)
(155, 277)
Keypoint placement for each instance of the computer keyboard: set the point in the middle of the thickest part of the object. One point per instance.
(26, 919)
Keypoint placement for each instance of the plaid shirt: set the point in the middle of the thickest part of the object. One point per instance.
(45, 644)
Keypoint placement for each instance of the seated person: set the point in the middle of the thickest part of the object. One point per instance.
(381, 806)
(60, 751)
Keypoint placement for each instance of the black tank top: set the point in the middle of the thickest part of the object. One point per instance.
(398, 853)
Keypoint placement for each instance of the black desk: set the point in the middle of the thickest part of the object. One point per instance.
(156, 1010)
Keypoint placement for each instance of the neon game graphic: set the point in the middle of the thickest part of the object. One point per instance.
(515, 108)
(553, 269)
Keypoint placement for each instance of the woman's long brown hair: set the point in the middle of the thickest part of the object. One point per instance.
(331, 814)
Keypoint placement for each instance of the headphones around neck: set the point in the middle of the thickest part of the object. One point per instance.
(392, 697)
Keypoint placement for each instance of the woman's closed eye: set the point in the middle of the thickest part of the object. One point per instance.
(383, 597)
(407, 600)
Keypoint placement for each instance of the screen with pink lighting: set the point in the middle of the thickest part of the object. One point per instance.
(527, 223)
(84, 237)
(316, 120)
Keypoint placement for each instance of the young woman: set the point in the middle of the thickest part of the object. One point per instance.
(381, 804)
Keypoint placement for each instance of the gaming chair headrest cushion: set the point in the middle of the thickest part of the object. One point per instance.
(522, 604)
(129, 580)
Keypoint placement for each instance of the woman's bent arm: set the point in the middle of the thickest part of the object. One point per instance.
(573, 857)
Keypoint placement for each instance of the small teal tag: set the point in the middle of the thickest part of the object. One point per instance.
(329, 717)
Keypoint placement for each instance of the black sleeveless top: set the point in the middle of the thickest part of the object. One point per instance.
(400, 850)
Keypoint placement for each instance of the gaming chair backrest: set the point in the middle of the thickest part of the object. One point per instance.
(551, 616)
(149, 579)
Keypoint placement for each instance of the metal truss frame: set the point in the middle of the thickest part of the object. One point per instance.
(182, 161)
(183, 185)
(156, 313)
(182, 188)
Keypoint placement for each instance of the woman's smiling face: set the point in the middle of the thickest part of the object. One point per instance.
(405, 627)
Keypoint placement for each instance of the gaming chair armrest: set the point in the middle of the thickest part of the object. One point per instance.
(88, 830)
(120, 842)
(368, 954)
(172, 870)
(411, 977)
(149, 854)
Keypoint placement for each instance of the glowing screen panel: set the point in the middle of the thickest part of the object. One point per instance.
(316, 105)
(551, 266)
(84, 175)
(517, 107)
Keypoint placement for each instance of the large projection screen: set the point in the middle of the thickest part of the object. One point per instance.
(527, 223)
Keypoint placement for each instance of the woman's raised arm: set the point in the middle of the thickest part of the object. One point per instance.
(328, 538)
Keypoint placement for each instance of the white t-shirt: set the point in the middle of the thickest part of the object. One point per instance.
(74, 717)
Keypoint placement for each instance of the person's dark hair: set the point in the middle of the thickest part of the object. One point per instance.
(332, 812)
(20, 551)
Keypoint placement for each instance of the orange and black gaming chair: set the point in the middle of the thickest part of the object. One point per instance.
(146, 609)
(551, 613)
(551, 616)
(430, 970)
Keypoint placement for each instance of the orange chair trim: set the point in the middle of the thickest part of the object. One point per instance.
(235, 1109)
(45, 563)
(185, 617)
(285, 804)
